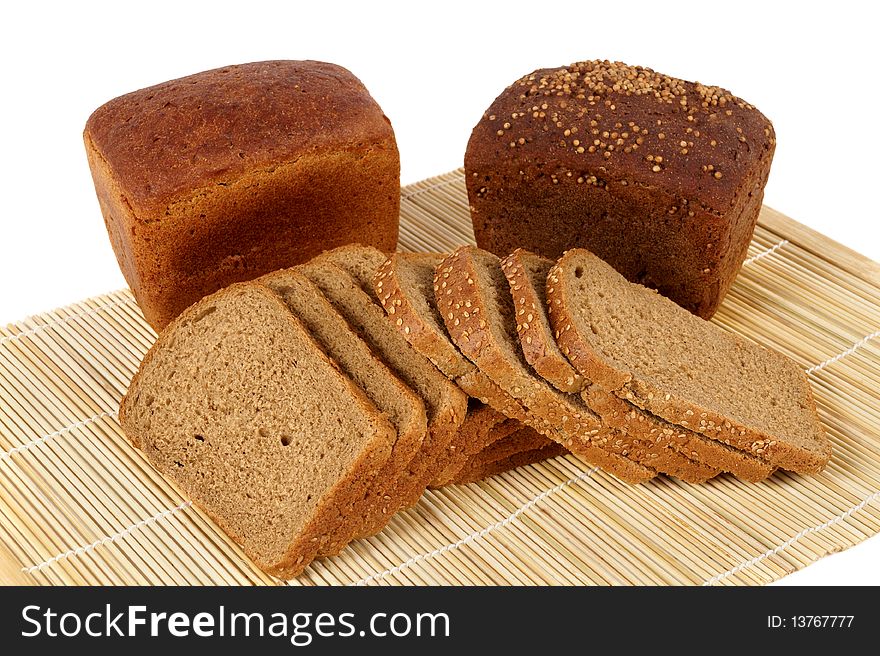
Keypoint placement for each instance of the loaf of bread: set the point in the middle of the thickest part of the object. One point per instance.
(660, 177)
(231, 173)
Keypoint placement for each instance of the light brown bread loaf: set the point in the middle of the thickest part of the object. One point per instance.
(239, 406)
(527, 275)
(646, 349)
(661, 177)
(231, 173)
(445, 403)
(399, 403)
(474, 300)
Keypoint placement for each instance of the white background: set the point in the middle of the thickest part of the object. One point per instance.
(433, 68)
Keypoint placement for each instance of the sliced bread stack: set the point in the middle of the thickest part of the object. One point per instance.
(299, 418)
(301, 415)
(620, 376)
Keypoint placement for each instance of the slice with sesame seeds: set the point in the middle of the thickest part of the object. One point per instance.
(650, 351)
(362, 263)
(405, 287)
(641, 434)
(445, 403)
(527, 275)
(473, 298)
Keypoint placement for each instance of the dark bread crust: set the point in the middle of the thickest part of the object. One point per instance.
(336, 503)
(231, 173)
(463, 308)
(589, 167)
(683, 412)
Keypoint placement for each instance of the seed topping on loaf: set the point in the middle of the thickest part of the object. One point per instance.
(594, 112)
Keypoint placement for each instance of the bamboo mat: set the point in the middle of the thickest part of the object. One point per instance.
(78, 505)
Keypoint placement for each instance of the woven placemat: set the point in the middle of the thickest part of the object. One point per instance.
(79, 505)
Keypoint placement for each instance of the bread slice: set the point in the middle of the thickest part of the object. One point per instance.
(474, 300)
(527, 275)
(476, 434)
(240, 407)
(404, 409)
(511, 438)
(405, 287)
(445, 403)
(648, 350)
(477, 472)
(362, 263)
(359, 261)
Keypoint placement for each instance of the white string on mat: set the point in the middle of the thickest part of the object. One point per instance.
(765, 253)
(109, 539)
(785, 545)
(73, 317)
(855, 347)
(477, 534)
(61, 431)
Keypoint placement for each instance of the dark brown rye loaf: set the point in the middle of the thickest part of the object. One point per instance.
(661, 177)
(646, 349)
(239, 406)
